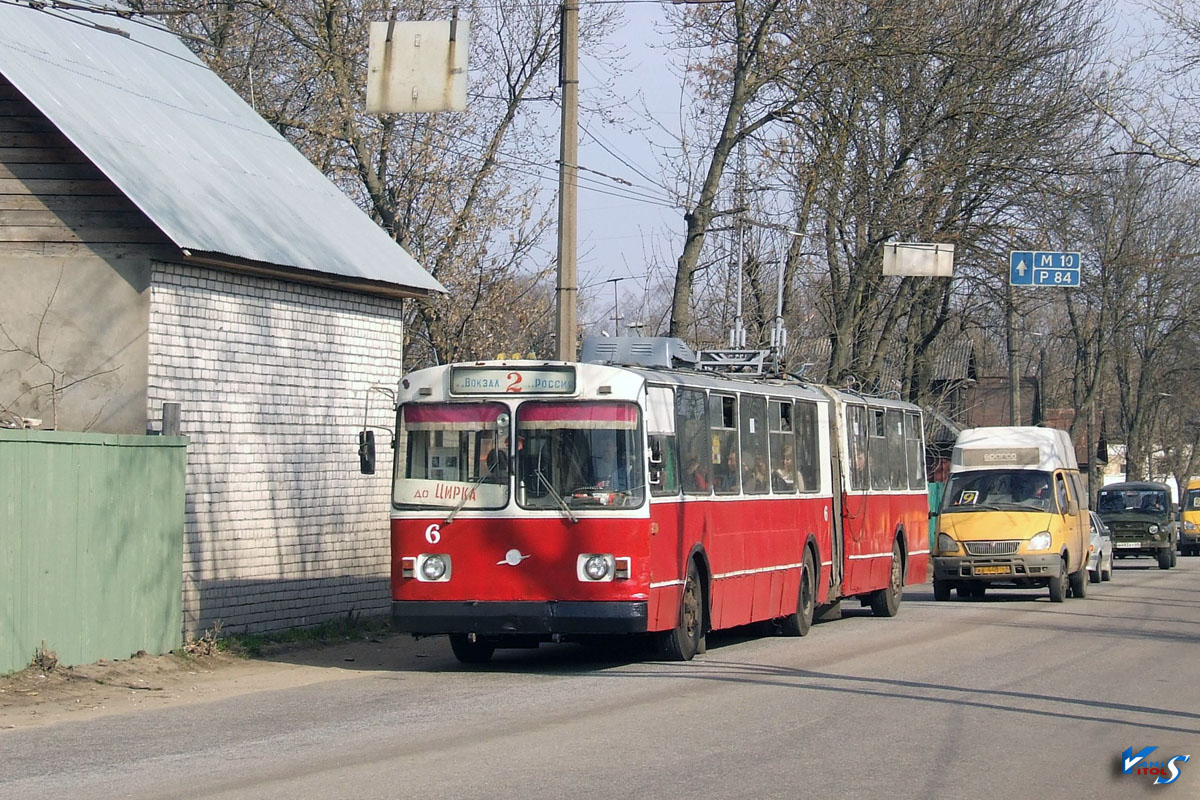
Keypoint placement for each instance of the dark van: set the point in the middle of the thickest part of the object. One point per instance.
(1139, 513)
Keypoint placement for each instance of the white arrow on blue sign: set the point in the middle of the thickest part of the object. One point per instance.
(1040, 268)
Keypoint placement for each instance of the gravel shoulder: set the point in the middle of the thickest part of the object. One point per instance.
(36, 697)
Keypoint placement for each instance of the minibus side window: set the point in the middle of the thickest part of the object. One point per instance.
(1060, 491)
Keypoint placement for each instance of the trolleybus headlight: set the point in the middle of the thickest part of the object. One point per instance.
(1040, 541)
(435, 567)
(946, 544)
(596, 567)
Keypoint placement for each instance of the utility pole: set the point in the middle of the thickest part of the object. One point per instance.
(1014, 377)
(567, 291)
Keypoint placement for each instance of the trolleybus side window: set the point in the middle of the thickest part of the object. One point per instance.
(446, 448)
(663, 474)
(856, 438)
(897, 467)
(580, 454)
(695, 449)
(664, 467)
(722, 420)
(783, 448)
(877, 450)
(753, 419)
(914, 455)
(807, 446)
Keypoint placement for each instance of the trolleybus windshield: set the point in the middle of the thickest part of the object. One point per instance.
(454, 455)
(580, 454)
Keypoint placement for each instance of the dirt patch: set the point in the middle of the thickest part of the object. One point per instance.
(38, 696)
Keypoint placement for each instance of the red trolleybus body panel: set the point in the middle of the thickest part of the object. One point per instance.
(753, 548)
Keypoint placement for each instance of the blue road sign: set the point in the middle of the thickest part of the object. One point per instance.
(1038, 268)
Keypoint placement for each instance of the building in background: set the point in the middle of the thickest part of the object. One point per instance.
(161, 244)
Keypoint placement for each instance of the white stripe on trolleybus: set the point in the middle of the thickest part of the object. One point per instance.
(919, 553)
(870, 555)
(735, 574)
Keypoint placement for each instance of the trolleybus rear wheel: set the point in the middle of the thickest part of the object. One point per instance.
(886, 602)
(686, 639)
(797, 624)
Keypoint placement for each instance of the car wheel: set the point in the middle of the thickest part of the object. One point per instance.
(1106, 574)
(1058, 585)
(1095, 575)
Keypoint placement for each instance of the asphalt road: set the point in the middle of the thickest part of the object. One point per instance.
(1007, 697)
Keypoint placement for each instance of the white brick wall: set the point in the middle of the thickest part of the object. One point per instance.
(282, 530)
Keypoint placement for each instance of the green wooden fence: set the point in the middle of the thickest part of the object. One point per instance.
(91, 545)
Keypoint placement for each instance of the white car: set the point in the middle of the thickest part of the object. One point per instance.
(1100, 553)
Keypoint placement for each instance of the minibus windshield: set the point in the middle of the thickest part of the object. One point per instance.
(999, 490)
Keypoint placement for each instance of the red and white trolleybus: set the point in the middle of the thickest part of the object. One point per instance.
(536, 501)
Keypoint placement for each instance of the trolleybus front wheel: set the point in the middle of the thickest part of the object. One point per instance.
(687, 638)
(471, 652)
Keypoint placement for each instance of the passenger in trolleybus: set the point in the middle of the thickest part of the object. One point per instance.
(783, 478)
(608, 467)
(694, 477)
(754, 476)
(727, 472)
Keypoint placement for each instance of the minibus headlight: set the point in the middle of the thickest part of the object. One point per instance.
(1188, 525)
(946, 544)
(434, 567)
(1040, 541)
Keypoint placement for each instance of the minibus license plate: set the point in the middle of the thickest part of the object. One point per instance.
(1004, 570)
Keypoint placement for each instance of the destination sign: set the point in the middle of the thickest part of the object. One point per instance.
(512, 380)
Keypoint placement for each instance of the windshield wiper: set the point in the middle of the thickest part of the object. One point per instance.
(467, 494)
(558, 498)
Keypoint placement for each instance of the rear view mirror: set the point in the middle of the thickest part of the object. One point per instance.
(366, 452)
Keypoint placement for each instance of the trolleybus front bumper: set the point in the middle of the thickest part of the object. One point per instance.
(524, 617)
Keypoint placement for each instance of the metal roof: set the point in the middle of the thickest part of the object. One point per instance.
(186, 149)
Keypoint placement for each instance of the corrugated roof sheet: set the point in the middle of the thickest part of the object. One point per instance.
(187, 150)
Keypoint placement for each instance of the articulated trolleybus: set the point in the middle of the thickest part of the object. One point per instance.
(550, 501)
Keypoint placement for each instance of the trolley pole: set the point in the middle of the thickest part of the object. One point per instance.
(567, 291)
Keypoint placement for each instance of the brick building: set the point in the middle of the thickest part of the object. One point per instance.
(160, 243)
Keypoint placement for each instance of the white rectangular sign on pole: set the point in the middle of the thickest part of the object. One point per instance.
(918, 259)
(417, 66)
